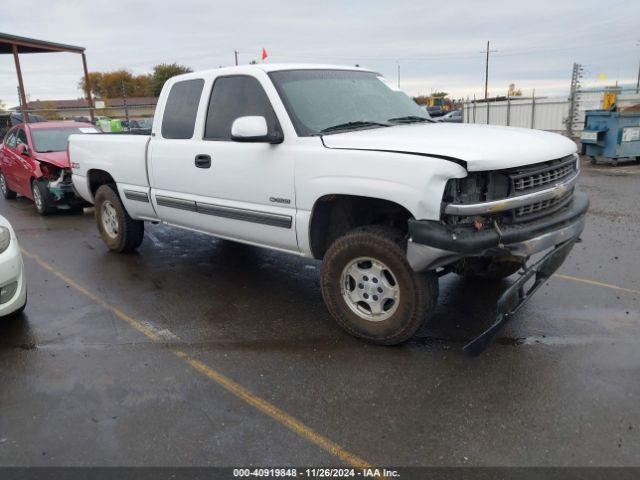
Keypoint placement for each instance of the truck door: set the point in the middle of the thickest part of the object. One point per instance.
(240, 190)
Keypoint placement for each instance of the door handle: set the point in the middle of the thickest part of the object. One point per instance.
(203, 161)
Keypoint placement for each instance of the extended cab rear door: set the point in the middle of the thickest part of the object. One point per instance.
(209, 182)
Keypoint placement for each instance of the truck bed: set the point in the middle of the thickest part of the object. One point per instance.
(123, 156)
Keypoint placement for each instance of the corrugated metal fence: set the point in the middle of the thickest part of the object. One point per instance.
(542, 113)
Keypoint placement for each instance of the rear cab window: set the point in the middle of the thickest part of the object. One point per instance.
(181, 109)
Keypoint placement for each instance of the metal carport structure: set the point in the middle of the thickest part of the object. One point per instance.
(12, 44)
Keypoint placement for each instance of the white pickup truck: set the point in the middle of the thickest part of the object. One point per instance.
(336, 164)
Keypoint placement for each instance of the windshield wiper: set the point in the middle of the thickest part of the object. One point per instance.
(409, 119)
(354, 124)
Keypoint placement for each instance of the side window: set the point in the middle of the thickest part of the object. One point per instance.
(233, 97)
(21, 137)
(179, 117)
(10, 140)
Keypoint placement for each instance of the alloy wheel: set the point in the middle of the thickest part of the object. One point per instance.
(370, 289)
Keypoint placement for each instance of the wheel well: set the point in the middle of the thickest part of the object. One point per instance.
(98, 178)
(335, 215)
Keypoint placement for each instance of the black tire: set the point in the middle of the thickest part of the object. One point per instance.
(418, 292)
(487, 268)
(4, 188)
(127, 234)
(41, 198)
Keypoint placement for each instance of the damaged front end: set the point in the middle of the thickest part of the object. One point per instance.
(57, 185)
(507, 215)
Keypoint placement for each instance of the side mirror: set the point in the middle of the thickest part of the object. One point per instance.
(23, 150)
(253, 129)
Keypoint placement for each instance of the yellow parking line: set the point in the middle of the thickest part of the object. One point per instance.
(593, 282)
(231, 386)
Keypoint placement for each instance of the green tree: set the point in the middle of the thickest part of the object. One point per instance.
(3, 106)
(163, 72)
(116, 83)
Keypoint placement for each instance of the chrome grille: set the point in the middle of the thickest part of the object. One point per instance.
(542, 175)
(530, 210)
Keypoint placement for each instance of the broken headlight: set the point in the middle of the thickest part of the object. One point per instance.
(5, 238)
(50, 172)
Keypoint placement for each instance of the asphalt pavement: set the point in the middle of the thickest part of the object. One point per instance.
(198, 351)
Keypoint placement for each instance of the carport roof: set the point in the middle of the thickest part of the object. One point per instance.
(31, 45)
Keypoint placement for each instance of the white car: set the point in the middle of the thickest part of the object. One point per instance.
(13, 286)
(333, 163)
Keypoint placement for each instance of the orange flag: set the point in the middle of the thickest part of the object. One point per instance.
(264, 54)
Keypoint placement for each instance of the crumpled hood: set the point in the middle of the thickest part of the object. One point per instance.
(60, 159)
(481, 147)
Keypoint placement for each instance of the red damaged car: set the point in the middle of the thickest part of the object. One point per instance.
(34, 163)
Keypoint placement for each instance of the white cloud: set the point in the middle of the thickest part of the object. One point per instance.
(437, 44)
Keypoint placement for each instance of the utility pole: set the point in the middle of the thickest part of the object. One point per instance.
(398, 61)
(235, 53)
(486, 70)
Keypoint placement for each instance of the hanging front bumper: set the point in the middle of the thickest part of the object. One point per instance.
(432, 244)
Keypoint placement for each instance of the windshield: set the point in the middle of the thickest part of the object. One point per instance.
(55, 139)
(323, 101)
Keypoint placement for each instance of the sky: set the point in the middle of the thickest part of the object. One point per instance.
(436, 44)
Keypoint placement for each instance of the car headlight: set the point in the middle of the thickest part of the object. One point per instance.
(5, 238)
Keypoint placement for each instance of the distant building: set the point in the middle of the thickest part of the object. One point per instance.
(110, 107)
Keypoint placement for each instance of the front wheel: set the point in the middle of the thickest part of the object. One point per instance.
(370, 289)
(118, 230)
(41, 198)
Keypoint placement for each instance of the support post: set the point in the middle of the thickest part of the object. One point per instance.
(474, 108)
(508, 109)
(23, 97)
(87, 83)
(533, 108)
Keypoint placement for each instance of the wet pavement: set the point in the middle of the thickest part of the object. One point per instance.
(123, 359)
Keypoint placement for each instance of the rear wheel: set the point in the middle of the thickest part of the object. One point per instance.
(41, 198)
(370, 289)
(118, 230)
(4, 188)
